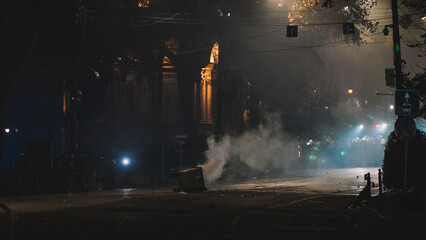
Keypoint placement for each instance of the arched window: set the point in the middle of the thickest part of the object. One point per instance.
(214, 55)
(208, 74)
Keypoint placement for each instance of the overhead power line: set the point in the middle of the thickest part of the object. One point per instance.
(288, 49)
(173, 20)
(329, 44)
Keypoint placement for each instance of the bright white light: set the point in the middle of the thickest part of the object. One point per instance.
(7, 130)
(346, 9)
(424, 18)
(382, 127)
(125, 161)
(229, 14)
(97, 75)
(391, 107)
(361, 126)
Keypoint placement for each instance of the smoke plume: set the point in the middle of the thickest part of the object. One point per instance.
(265, 149)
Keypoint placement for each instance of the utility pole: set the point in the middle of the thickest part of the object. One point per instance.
(162, 162)
(398, 72)
(396, 44)
(80, 38)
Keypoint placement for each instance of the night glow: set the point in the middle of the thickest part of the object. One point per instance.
(125, 161)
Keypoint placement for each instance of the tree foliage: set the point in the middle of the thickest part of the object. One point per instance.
(418, 5)
(394, 164)
(417, 8)
(356, 11)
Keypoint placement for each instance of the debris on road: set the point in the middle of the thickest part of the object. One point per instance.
(190, 180)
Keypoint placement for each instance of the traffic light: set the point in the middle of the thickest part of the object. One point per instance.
(397, 47)
(348, 28)
(291, 31)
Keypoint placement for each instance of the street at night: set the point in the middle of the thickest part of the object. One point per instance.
(212, 119)
(313, 205)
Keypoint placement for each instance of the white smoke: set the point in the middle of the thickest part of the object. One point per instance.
(263, 149)
(217, 155)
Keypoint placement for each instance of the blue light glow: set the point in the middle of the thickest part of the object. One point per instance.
(125, 161)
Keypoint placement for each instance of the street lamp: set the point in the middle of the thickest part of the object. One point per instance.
(386, 30)
(93, 71)
(125, 161)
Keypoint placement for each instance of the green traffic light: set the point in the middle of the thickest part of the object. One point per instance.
(397, 47)
(342, 153)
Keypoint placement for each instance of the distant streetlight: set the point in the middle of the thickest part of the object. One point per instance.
(125, 161)
(350, 91)
(97, 75)
(391, 107)
(7, 130)
(93, 71)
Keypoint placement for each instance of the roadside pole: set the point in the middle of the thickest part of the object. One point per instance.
(380, 182)
(405, 164)
(180, 143)
(181, 140)
(162, 162)
(396, 44)
(405, 130)
(398, 75)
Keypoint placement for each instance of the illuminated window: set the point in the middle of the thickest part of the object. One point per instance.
(246, 116)
(206, 91)
(214, 55)
(206, 94)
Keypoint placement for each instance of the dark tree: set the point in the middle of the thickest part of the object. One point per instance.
(394, 163)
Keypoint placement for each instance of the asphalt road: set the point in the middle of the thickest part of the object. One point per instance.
(303, 205)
